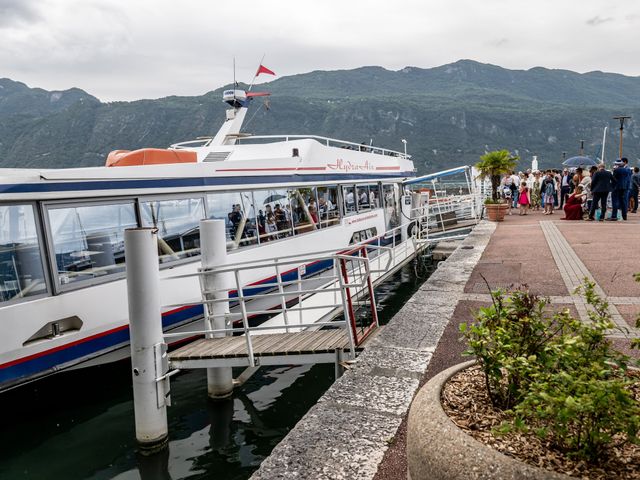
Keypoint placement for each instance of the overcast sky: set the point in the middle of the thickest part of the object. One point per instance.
(130, 49)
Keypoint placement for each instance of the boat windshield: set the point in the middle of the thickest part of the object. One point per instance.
(21, 270)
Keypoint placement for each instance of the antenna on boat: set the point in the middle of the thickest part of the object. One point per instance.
(235, 84)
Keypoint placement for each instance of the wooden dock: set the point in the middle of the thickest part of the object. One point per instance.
(319, 346)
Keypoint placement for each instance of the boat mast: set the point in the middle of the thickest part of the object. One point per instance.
(239, 103)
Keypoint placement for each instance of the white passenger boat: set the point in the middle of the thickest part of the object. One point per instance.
(63, 300)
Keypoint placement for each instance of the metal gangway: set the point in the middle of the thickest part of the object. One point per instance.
(280, 321)
(299, 328)
(442, 212)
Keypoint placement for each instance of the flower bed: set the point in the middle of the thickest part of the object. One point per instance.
(465, 400)
(548, 398)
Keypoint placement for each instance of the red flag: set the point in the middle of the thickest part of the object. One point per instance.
(263, 69)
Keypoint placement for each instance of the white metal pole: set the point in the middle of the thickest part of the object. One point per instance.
(145, 326)
(213, 242)
(604, 140)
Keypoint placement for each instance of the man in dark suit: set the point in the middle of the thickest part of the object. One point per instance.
(620, 197)
(602, 183)
(565, 186)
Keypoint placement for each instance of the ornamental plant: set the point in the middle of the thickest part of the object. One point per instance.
(559, 377)
(493, 164)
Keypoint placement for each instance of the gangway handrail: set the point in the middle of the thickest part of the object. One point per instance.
(359, 279)
(333, 323)
(294, 258)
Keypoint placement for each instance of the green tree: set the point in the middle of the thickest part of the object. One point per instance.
(493, 164)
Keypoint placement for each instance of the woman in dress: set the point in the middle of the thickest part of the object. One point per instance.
(535, 191)
(573, 205)
(548, 192)
(523, 198)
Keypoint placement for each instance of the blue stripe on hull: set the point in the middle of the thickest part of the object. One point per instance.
(47, 362)
(186, 182)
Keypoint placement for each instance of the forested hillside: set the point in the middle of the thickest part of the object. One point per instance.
(449, 115)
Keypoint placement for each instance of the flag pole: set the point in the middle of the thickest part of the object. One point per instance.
(256, 74)
(234, 80)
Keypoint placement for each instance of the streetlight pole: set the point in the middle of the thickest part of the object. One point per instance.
(621, 118)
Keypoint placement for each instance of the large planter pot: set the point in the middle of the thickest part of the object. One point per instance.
(496, 211)
(437, 449)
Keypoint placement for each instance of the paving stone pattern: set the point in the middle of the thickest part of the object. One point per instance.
(574, 272)
(345, 435)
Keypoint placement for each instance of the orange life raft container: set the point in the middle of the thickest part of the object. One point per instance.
(149, 156)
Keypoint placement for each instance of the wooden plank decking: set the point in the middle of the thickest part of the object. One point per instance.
(276, 344)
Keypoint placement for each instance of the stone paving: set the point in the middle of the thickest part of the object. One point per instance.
(358, 428)
(345, 435)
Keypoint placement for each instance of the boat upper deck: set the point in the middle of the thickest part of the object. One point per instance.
(223, 167)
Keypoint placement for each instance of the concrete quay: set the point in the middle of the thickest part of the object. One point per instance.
(358, 428)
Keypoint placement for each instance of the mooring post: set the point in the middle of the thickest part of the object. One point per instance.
(213, 242)
(147, 344)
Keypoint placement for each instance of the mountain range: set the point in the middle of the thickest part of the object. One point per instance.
(449, 115)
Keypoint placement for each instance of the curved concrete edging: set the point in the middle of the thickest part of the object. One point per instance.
(437, 449)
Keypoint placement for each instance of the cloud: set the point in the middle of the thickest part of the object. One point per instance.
(499, 42)
(597, 20)
(125, 50)
(18, 11)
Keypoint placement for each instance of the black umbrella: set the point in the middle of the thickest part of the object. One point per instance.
(579, 161)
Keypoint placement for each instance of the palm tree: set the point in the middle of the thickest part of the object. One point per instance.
(493, 164)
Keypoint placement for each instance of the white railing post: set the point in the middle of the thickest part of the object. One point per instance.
(148, 351)
(213, 242)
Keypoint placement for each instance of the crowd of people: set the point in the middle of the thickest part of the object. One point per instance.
(582, 193)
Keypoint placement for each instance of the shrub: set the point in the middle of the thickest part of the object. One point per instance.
(561, 377)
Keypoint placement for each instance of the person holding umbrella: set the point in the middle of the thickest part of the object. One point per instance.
(567, 185)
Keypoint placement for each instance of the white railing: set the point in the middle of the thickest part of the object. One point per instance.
(347, 277)
(329, 142)
(435, 216)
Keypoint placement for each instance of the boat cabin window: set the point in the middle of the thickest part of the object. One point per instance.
(363, 235)
(304, 209)
(88, 240)
(374, 195)
(21, 268)
(328, 212)
(274, 214)
(368, 197)
(363, 198)
(238, 212)
(350, 199)
(178, 224)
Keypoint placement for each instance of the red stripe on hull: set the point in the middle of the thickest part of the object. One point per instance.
(275, 169)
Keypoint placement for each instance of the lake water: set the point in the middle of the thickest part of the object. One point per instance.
(79, 424)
